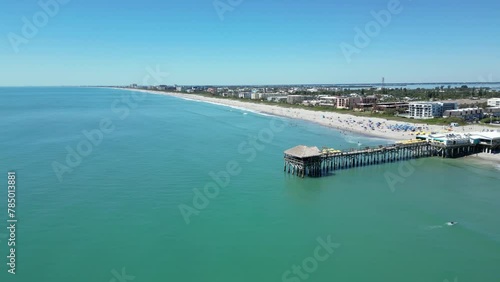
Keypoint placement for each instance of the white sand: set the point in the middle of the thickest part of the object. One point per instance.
(489, 158)
(344, 122)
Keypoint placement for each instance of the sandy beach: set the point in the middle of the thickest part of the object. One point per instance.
(375, 127)
(346, 123)
(488, 158)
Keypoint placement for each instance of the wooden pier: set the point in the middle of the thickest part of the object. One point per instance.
(310, 161)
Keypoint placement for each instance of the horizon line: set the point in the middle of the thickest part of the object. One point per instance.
(290, 84)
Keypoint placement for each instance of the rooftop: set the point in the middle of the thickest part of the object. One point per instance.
(486, 135)
(302, 151)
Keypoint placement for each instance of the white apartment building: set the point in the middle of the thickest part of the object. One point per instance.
(428, 110)
(423, 110)
(245, 95)
(494, 102)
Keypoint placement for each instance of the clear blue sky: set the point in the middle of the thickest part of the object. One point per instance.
(91, 42)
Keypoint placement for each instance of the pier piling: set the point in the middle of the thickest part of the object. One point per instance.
(313, 162)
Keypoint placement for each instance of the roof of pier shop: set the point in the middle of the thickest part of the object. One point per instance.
(302, 151)
(486, 135)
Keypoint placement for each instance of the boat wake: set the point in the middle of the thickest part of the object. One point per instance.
(433, 227)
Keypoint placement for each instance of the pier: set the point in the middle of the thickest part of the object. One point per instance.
(305, 161)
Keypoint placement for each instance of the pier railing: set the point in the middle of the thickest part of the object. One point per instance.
(329, 160)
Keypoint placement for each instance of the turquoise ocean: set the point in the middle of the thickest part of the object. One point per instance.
(118, 186)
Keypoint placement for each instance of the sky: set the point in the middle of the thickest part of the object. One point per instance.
(234, 42)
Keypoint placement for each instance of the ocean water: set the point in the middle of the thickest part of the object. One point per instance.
(104, 176)
(492, 85)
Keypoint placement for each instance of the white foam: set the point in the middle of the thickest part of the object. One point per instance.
(245, 110)
(433, 227)
(173, 95)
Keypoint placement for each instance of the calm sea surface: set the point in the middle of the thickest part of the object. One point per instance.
(102, 177)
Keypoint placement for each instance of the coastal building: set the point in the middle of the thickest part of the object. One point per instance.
(277, 99)
(466, 114)
(363, 106)
(212, 90)
(347, 102)
(449, 139)
(329, 101)
(366, 103)
(428, 110)
(369, 99)
(263, 96)
(245, 95)
(229, 94)
(311, 103)
(257, 96)
(179, 88)
(398, 106)
(310, 161)
(424, 110)
(492, 111)
(296, 99)
(490, 141)
(447, 106)
(494, 102)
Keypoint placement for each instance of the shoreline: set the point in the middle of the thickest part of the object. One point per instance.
(345, 123)
(486, 158)
(297, 114)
